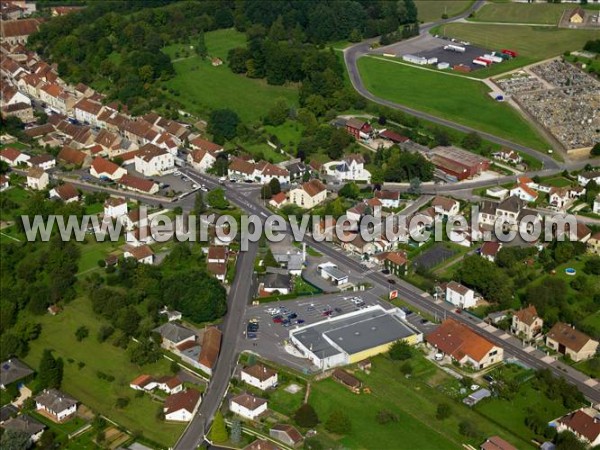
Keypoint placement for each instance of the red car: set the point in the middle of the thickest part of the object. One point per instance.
(458, 311)
(327, 313)
(277, 319)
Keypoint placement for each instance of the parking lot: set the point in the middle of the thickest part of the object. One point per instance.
(455, 58)
(266, 334)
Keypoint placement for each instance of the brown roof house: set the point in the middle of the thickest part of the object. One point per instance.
(569, 341)
(180, 407)
(396, 261)
(527, 323)
(248, 406)
(259, 376)
(287, 434)
(464, 345)
(209, 352)
(496, 443)
(65, 192)
(261, 444)
(583, 423)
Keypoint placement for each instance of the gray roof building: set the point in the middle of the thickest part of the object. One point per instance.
(55, 400)
(13, 370)
(25, 424)
(277, 281)
(476, 397)
(8, 411)
(174, 332)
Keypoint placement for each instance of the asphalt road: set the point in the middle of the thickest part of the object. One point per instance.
(353, 53)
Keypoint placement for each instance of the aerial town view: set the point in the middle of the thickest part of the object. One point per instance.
(309, 224)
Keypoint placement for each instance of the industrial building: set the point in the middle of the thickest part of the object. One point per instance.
(459, 163)
(352, 337)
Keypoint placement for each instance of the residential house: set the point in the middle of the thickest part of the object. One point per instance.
(201, 159)
(464, 345)
(55, 405)
(10, 95)
(445, 207)
(259, 376)
(143, 254)
(527, 323)
(297, 170)
(351, 168)
(73, 157)
(138, 131)
(368, 207)
(138, 184)
(181, 407)
(524, 192)
(356, 244)
(358, 128)
(87, 111)
(153, 161)
(577, 16)
(585, 177)
(65, 192)
(566, 340)
(309, 194)
(510, 212)
(287, 434)
(292, 261)
(560, 198)
(393, 137)
(275, 283)
(388, 199)
(27, 425)
(265, 172)
(115, 207)
(240, 169)
(489, 250)
(593, 243)
(261, 444)
(17, 31)
(37, 179)
(57, 98)
(278, 200)
(248, 406)
(207, 146)
(174, 334)
(23, 111)
(13, 157)
(13, 370)
(396, 262)
(7, 412)
(217, 270)
(169, 384)
(45, 162)
(104, 169)
(143, 383)
(460, 295)
(584, 424)
(508, 156)
(346, 379)
(211, 347)
(217, 254)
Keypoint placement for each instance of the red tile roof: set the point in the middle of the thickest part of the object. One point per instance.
(66, 191)
(582, 424)
(71, 156)
(458, 340)
(260, 372)
(141, 252)
(568, 336)
(101, 165)
(203, 144)
(490, 248)
(14, 28)
(527, 315)
(211, 346)
(217, 252)
(278, 198)
(249, 401)
(444, 202)
(142, 380)
(393, 136)
(497, 443)
(10, 153)
(313, 187)
(182, 400)
(239, 165)
(140, 184)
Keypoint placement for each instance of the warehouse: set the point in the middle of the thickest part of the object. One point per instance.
(459, 163)
(352, 337)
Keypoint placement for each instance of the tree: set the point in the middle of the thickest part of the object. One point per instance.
(596, 149)
(81, 333)
(306, 416)
(400, 351)
(218, 430)
(568, 441)
(216, 199)
(355, 36)
(385, 416)
(415, 186)
(406, 368)
(350, 190)
(222, 124)
(15, 440)
(122, 402)
(144, 352)
(443, 411)
(468, 428)
(236, 431)
(50, 371)
(265, 192)
(472, 141)
(278, 113)
(199, 204)
(105, 332)
(275, 186)
(269, 260)
(338, 423)
(201, 49)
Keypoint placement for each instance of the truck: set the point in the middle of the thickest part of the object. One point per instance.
(487, 60)
(510, 53)
(493, 58)
(455, 48)
(480, 62)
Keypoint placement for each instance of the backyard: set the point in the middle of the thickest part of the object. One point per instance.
(414, 400)
(430, 11)
(83, 361)
(201, 87)
(455, 98)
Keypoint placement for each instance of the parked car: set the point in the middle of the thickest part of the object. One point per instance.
(277, 319)
(385, 271)
(300, 321)
(292, 316)
(338, 310)
(391, 281)
(458, 311)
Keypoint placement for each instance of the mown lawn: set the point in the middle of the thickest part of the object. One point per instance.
(288, 133)
(413, 400)
(430, 10)
(92, 252)
(538, 13)
(455, 98)
(58, 334)
(200, 87)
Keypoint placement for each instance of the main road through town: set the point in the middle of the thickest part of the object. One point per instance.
(353, 53)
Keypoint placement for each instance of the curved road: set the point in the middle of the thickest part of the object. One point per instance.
(352, 54)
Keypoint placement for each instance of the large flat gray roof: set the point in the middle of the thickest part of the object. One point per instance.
(355, 333)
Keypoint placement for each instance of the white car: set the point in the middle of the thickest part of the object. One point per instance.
(474, 387)
(177, 172)
(439, 356)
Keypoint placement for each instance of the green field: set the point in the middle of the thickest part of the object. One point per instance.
(531, 43)
(455, 98)
(432, 10)
(539, 13)
(58, 333)
(413, 400)
(200, 87)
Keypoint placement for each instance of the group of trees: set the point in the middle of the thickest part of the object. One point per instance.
(397, 165)
(50, 372)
